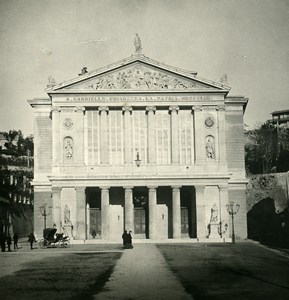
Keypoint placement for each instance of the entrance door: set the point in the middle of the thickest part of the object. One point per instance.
(95, 222)
(184, 222)
(139, 223)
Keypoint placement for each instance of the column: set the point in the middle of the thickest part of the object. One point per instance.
(79, 136)
(176, 212)
(128, 159)
(151, 134)
(104, 153)
(128, 209)
(201, 213)
(224, 215)
(87, 220)
(55, 114)
(175, 134)
(56, 204)
(152, 212)
(80, 213)
(199, 133)
(222, 135)
(105, 226)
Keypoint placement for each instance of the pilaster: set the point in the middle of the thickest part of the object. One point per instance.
(105, 226)
(152, 212)
(176, 212)
(56, 207)
(104, 153)
(80, 213)
(79, 136)
(199, 132)
(128, 209)
(201, 212)
(55, 115)
(127, 111)
(224, 215)
(222, 134)
(151, 134)
(175, 134)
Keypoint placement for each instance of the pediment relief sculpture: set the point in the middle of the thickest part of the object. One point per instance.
(139, 78)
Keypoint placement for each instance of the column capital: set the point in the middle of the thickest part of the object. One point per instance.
(55, 108)
(127, 109)
(79, 109)
(56, 189)
(176, 187)
(151, 108)
(200, 187)
(80, 189)
(221, 107)
(103, 109)
(174, 108)
(197, 108)
(127, 188)
(104, 188)
(223, 187)
(152, 187)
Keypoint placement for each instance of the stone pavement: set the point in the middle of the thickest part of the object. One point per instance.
(142, 273)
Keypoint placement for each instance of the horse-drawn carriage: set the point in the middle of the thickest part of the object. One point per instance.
(50, 237)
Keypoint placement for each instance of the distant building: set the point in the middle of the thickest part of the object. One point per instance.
(280, 118)
(142, 146)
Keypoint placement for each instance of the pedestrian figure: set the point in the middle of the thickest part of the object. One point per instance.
(9, 242)
(31, 240)
(93, 233)
(129, 240)
(2, 241)
(15, 239)
(124, 239)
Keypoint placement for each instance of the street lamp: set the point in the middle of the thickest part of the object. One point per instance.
(137, 161)
(232, 211)
(45, 211)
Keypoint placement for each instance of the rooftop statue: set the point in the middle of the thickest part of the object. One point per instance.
(137, 43)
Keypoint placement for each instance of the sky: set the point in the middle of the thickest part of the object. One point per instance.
(246, 39)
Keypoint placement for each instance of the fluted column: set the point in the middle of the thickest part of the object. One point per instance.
(151, 134)
(128, 209)
(56, 202)
(105, 222)
(152, 212)
(55, 114)
(199, 131)
(79, 136)
(176, 212)
(224, 215)
(104, 153)
(80, 213)
(201, 212)
(128, 159)
(174, 135)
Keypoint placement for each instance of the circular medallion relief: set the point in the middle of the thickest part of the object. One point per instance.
(68, 123)
(209, 122)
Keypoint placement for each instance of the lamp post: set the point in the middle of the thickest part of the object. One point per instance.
(137, 161)
(45, 211)
(232, 211)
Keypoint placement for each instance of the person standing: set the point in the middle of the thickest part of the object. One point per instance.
(129, 240)
(31, 240)
(124, 239)
(9, 242)
(15, 240)
(2, 241)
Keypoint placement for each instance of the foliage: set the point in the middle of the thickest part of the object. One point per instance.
(16, 143)
(267, 149)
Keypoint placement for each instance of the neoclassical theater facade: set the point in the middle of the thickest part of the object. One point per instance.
(142, 146)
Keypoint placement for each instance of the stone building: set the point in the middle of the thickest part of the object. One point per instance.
(142, 146)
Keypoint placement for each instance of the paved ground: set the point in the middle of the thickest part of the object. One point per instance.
(142, 273)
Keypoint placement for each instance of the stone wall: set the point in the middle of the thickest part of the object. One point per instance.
(274, 186)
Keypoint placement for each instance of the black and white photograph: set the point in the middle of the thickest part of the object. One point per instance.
(144, 149)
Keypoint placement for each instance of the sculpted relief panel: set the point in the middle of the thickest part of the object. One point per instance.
(139, 77)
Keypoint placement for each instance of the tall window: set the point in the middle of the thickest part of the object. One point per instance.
(93, 137)
(115, 136)
(185, 136)
(140, 135)
(163, 137)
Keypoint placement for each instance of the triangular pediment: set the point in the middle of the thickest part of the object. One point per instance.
(139, 74)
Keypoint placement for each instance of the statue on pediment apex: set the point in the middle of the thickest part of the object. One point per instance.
(137, 44)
